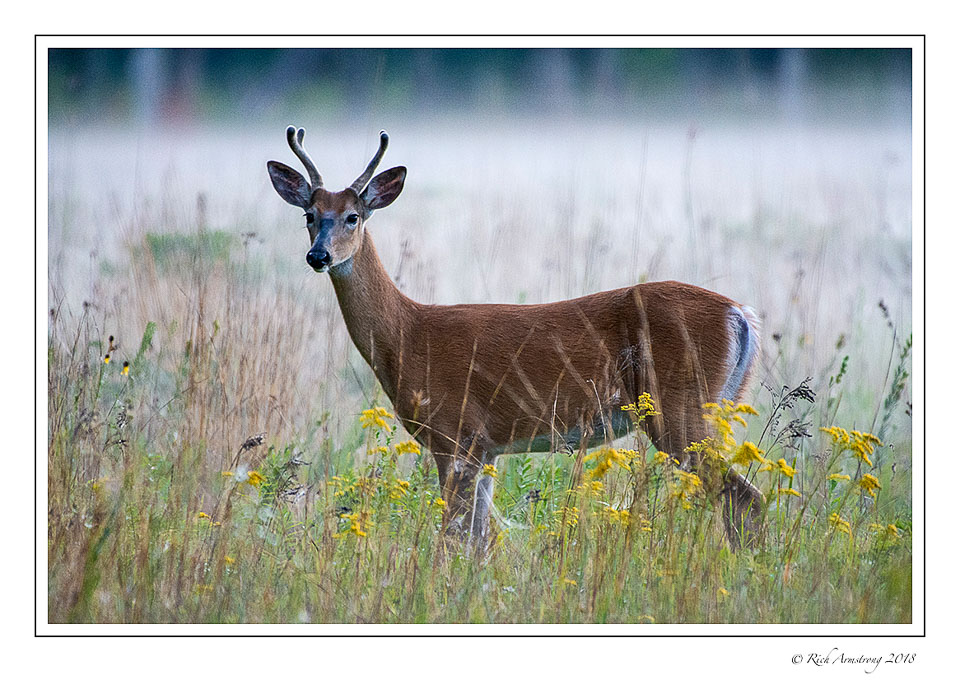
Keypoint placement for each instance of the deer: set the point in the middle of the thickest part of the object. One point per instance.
(470, 382)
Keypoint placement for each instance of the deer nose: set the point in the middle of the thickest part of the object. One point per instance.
(318, 259)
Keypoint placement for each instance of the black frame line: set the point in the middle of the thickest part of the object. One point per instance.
(922, 635)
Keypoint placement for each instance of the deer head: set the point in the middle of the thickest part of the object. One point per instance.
(335, 219)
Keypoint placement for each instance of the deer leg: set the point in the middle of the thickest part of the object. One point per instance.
(742, 510)
(468, 500)
(457, 483)
(743, 504)
(480, 520)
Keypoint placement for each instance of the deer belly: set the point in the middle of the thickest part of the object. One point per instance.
(605, 428)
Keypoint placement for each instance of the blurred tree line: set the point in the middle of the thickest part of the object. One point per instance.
(184, 85)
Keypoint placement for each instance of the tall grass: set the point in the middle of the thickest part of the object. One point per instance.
(228, 475)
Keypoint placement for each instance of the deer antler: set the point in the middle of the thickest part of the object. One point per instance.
(295, 139)
(361, 182)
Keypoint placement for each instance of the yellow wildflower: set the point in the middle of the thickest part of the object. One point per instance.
(126, 369)
(226, 474)
(203, 515)
(569, 582)
(605, 458)
(229, 560)
(382, 450)
(440, 503)
(592, 487)
(255, 478)
(399, 489)
(785, 468)
(870, 484)
(567, 514)
(615, 516)
(839, 477)
(862, 445)
(841, 525)
(722, 444)
(374, 418)
(106, 359)
(359, 521)
(407, 447)
(490, 470)
(643, 407)
(686, 486)
(747, 453)
(722, 593)
(664, 458)
(790, 491)
(889, 530)
(648, 618)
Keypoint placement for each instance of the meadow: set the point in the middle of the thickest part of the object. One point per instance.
(220, 453)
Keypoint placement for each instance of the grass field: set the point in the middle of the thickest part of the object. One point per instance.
(211, 463)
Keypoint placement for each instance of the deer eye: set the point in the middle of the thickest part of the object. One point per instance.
(352, 219)
(309, 217)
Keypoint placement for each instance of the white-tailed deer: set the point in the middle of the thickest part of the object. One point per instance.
(474, 381)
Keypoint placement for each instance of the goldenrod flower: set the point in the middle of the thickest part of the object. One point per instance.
(747, 453)
(722, 593)
(790, 491)
(643, 407)
(606, 457)
(870, 484)
(569, 582)
(440, 503)
(203, 515)
(489, 470)
(785, 468)
(862, 445)
(664, 458)
(838, 477)
(407, 447)
(382, 450)
(615, 516)
(358, 522)
(399, 489)
(374, 418)
(229, 560)
(888, 530)
(255, 478)
(841, 525)
(567, 514)
(685, 487)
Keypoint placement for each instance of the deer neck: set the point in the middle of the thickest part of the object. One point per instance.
(375, 311)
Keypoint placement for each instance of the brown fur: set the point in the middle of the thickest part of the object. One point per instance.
(470, 379)
(475, 380)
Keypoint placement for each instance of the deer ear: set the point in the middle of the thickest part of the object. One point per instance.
(384, 188)
(290, 184)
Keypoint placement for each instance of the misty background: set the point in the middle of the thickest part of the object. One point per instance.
(184, 86)
(779, 177)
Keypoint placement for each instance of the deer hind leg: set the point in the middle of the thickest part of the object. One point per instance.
(742, 511)
(682, 422)
(743, 504)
